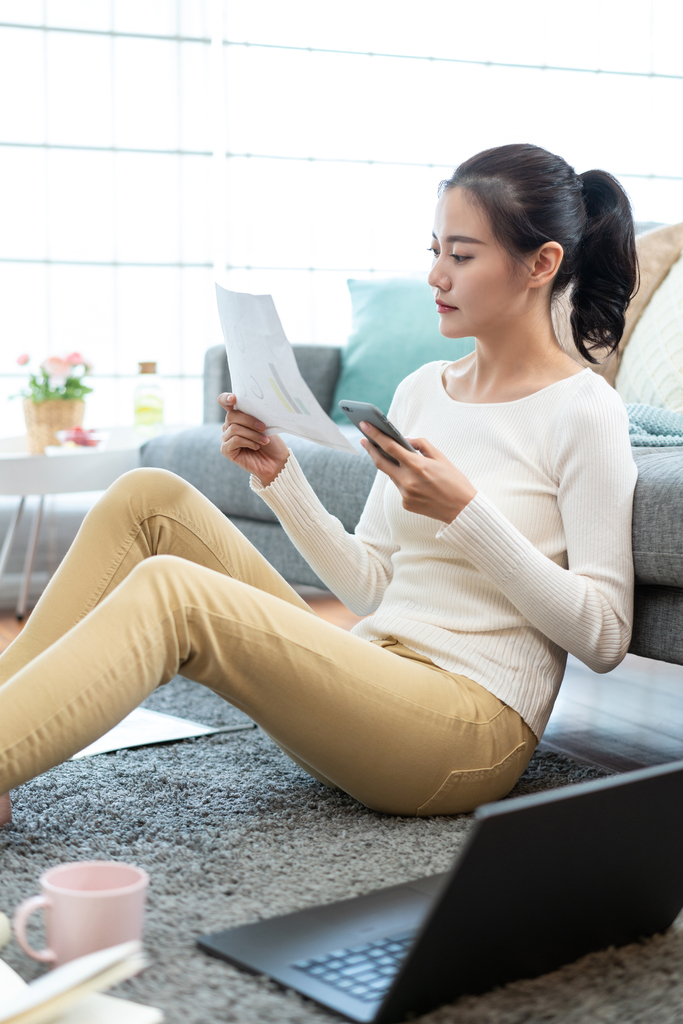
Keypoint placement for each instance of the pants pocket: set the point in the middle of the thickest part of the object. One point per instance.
(462, 791)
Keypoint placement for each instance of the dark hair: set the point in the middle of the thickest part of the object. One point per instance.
(532, 196)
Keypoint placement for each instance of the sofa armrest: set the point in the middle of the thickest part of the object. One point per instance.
(319, 365)
(657, 528)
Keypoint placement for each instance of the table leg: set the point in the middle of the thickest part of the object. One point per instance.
(30, 559)
(9, 536)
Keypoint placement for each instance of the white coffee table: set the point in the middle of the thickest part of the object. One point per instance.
(69, 472)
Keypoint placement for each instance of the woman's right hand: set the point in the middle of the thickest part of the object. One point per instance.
(244, 443)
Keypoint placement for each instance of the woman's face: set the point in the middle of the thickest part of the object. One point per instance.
(475, 286)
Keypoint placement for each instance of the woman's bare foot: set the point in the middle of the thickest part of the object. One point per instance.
(5, 809)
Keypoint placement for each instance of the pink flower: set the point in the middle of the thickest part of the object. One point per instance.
(57, 369)
(77, 359)
(23, 359)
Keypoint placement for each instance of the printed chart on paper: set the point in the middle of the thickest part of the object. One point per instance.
(264, 372)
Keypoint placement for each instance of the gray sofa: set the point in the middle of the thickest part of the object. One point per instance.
(342, 483)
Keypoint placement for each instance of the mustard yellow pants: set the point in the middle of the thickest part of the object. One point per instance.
(158, 582)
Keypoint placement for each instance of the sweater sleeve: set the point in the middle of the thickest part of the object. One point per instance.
(356, 567)
(587, 608)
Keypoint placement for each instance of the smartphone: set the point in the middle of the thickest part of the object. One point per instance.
(359, 411)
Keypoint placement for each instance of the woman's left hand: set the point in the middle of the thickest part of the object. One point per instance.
(429, 483)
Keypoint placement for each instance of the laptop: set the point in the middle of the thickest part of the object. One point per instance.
(541, 881)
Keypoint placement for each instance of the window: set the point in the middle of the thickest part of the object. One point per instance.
(337, 125)
(105, 231)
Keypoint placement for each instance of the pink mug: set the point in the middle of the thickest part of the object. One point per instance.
(88, 905)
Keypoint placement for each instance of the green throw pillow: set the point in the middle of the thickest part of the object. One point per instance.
(395, 331)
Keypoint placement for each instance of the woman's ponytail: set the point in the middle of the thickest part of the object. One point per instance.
(606, 274)
(531, 197)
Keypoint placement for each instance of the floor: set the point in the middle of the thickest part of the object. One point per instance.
(630, 718)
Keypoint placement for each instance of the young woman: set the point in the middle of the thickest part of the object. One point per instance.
(480, 561)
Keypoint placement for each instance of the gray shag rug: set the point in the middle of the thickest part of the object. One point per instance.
(231, 831)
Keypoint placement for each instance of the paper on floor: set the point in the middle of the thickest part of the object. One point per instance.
(142, 727)
(264, 373)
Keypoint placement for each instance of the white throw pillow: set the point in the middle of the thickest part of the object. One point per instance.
(651, 370)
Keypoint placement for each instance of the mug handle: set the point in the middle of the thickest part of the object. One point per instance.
(21, 916)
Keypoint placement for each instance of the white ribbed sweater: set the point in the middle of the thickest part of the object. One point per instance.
(537, 564)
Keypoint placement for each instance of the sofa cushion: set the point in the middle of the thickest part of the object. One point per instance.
(395, 331)
(341, 481)
(651, 370)
(657, 252)
(657, 519)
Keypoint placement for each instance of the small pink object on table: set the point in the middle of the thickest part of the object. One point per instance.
(88, 905)
(79, 436)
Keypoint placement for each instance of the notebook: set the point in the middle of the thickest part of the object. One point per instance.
(68, 994)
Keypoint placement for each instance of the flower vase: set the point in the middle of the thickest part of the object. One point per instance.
(44, 419)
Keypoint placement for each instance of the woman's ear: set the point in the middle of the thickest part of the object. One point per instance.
(545, 264)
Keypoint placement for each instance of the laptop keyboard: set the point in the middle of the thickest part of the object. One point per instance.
(365, 972)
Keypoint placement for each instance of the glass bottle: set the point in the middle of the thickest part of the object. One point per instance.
(148, 401)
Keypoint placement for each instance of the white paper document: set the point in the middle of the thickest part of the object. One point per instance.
(142, 727)
(264, 374)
